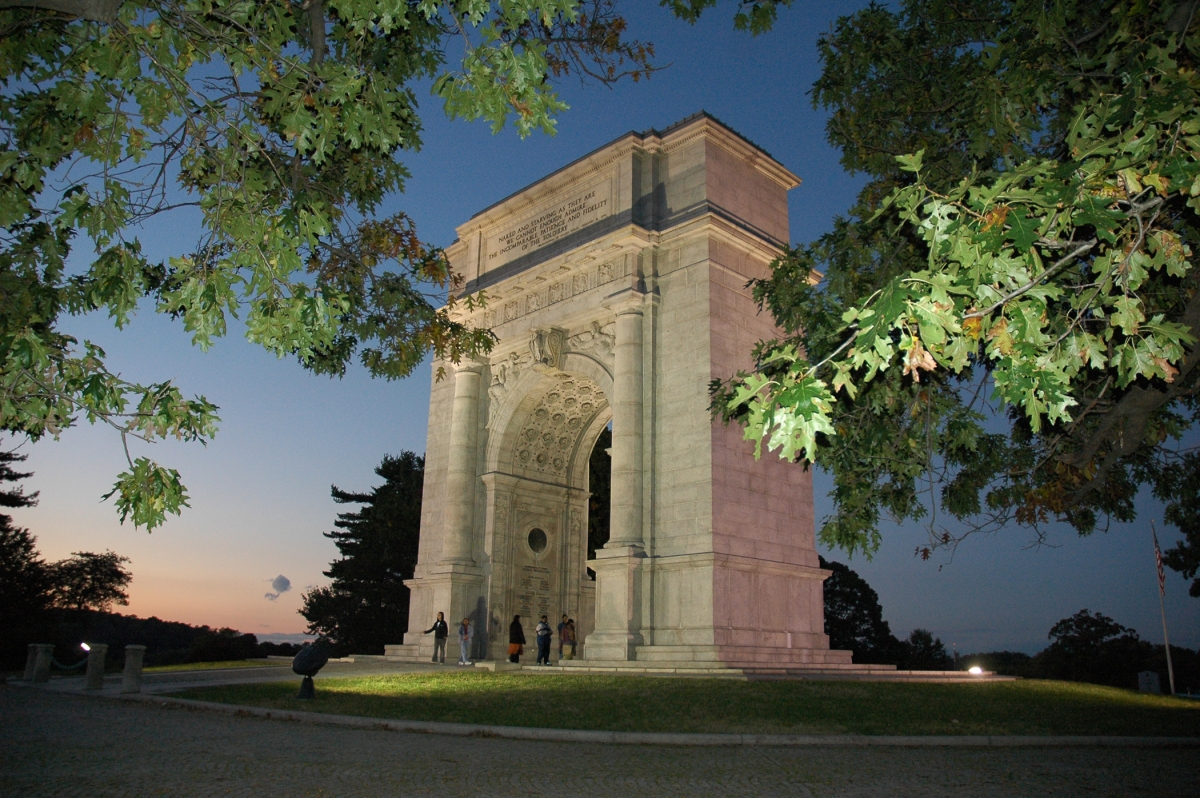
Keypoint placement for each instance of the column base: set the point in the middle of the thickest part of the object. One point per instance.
(618, 604)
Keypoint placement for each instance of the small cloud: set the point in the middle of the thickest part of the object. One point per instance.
(280, 584)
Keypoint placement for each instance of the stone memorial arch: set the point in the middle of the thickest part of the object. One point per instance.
(616, 287)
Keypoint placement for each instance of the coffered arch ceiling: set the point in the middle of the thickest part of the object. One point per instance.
(552, 430)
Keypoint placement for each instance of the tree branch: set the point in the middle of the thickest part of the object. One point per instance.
(316, 24)
(1083, 248)
(92, 10)
(1125, 424)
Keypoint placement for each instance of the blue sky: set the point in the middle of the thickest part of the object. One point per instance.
(260, 492)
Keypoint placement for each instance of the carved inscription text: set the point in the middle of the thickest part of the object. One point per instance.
(592, 205)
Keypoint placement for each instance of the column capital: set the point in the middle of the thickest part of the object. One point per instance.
(625, 302)
(466, 364)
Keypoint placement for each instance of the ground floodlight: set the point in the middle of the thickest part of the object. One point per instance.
(85, 646)
(975, 670)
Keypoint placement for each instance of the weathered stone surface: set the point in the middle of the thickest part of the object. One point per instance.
(617, 289)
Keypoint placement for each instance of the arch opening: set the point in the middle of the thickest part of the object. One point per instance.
(542, 525)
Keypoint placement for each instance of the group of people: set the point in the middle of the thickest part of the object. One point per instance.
(516, 639)
(543, 631)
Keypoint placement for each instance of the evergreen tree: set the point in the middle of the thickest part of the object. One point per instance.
(854, 618)
(366, 606)
(24, 576)
(14, 497)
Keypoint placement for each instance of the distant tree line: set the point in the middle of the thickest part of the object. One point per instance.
(1091, 647)
(68, 602)
(1086, 647)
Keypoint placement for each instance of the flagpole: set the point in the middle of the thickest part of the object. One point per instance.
(1162, 608)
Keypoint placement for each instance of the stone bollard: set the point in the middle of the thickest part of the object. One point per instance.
(131, 682)
(31, 662)
(94, 680)
(1148, 682)
(41, 664)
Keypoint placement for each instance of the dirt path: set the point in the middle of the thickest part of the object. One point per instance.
(55, 744)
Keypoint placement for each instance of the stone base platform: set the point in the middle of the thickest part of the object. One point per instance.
(410, 652)
(830, 672)
(744, 656)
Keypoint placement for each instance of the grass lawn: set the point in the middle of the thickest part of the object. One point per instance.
(232, 663)
(625, 703)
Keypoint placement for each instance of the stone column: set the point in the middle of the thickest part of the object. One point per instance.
(626, 491)
(94, 678)
(619, 565)
(458, 534)
(131, 680)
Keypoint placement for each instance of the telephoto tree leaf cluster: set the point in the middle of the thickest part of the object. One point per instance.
(1004, 327)
(279, 124)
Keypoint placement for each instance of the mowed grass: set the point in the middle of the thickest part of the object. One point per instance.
(208, 666)
(623, 703)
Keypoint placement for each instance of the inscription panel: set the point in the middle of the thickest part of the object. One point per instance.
(533, 592)
(560, 220)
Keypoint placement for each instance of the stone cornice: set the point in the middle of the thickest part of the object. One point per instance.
(596, 163)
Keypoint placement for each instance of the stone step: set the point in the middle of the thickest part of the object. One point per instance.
(719, 656)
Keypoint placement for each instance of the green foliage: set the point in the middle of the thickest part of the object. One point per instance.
(281, 125)
(756, 16)
(1025, 238)
(366, 606)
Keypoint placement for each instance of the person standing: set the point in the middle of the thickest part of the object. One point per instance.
(516, 640)
(543, 641)
(440, 632)
(464, 641)
(567, 640)
(562, 625)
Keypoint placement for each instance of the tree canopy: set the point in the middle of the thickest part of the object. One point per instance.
(854, 617)
(90, 581)
(366, 606)
(279, 125)
(1004, 328)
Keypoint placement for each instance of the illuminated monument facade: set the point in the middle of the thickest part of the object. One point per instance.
(616, 287)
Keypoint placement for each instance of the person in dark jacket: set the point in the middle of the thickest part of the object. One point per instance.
(516, 640)
(543, 641)
(440, 632)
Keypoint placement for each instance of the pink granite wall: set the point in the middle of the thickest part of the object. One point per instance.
(766, 591)
(746, 193)
(775, 494)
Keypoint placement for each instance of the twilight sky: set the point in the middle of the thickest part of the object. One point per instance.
(251, 543)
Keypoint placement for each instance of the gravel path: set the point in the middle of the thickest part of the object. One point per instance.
(71, 745)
